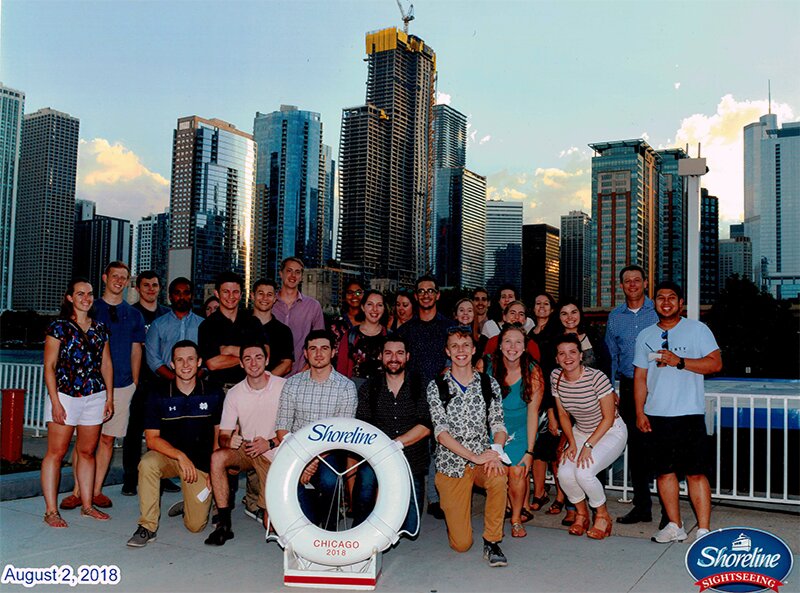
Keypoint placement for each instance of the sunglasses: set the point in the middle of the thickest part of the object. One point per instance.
(665, 337)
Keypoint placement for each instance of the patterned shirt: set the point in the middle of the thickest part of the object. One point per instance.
(304, 400)
(79, 357)
(623, 327)
(582, 398)
(465, 420)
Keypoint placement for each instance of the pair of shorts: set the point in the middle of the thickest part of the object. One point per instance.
(81, 411)
(546, 446)
(117, 425)
(680, 445)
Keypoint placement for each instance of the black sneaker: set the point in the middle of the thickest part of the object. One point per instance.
(493, 554)
(128, 490)
(176, 510)
(635, 516)
(435, 510)
(219, 536)
(141, 537)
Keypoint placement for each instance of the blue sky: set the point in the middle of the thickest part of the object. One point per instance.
(538, 80)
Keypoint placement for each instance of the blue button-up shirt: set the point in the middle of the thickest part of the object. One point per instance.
(165, 332)
(623, 327)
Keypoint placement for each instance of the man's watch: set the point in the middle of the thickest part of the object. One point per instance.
(588, 445)
(271, 444)
(681, 364)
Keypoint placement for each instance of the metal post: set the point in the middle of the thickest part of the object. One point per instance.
(692, 170)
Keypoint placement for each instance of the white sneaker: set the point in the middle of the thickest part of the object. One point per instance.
(670, 533)
(701, 532)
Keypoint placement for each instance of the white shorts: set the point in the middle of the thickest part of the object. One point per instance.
(117, 425)
(81, 411)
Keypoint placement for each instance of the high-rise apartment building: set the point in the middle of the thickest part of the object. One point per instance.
(45, 215)
(540, 261)
(672, 219)
(99, 240)
(151, 245)
(12, 108)
(575, 267)
(772, 203)
(386, 160)
(735, 258)
(625, 189)
(503, 257)
(212, 202)
(291, 178)
(450, 137)
(709, 247)
(84, 210)
(328, 236)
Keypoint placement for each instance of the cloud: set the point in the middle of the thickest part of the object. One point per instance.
(485, 139)
(442, 98)
(114, 177)
(720, 137)
(677, 85)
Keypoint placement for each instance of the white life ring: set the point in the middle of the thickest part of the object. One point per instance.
(378, 531)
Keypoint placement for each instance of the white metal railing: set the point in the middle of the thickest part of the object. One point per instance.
(29, 377)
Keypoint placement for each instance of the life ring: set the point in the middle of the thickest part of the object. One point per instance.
(378, 531)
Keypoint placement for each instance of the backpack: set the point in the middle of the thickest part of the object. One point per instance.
(486, 390)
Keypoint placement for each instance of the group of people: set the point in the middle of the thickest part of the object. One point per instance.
(474, 399)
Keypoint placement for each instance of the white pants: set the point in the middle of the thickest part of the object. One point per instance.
(580, 483)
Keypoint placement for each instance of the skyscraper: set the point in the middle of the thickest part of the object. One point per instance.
(12, 108)
(291, 178)
(575, 268)
(386, 160)
(735, 257)
(45, 216)
(772, 203)
(540, 261)
(709, 247)
(212, 202)
(450, 137)
(151, 245)
(672, 218)
(99, 240)
(503, 257)
(625, 187)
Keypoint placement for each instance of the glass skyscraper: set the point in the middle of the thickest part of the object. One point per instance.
(575, 270)
(12, 107)
(672, 219)
(151, 246)
(503, 257)
(540, 261)
(212, 202)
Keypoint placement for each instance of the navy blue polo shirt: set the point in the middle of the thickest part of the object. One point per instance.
(187, 422)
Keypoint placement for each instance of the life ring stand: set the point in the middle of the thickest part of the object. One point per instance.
(338, 548)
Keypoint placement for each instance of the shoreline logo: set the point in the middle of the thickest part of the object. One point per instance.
(327, 433)
(739, 560)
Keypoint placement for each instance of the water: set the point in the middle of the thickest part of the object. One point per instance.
(22, 356)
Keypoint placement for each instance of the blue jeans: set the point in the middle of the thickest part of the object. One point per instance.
(365, 491)
(319, 504)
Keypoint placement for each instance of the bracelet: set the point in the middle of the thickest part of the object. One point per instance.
(529, 453)
(588, 445)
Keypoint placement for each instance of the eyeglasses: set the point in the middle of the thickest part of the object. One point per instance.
(665, 337)
(354, 292)
(481, 299)
(112, 313)
(459, 329)
(424, 291)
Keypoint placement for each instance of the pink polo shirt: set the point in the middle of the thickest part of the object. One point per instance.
(255, 410)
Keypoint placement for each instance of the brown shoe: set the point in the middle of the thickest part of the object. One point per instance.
(93, 513)
(102, 501)
(70, 502)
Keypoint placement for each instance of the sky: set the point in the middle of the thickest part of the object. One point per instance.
(538, 81)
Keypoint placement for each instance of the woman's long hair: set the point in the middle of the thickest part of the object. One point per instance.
(67, 311)
(581, 329)
(553, 307)
(531, 373)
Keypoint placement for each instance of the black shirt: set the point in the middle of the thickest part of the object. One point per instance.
(426, 343)
(397, 415)
(186, 421)
(217, 331)
(279, 338)
(145, 374)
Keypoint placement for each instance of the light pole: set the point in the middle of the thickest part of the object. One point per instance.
(692, 170)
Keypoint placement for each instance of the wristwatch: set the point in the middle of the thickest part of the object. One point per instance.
(271, 444)
(588, 445)
(681, 364)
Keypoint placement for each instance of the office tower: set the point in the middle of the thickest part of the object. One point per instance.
(12, 107)
(772, 203)
(212, 202)
(735, 258)
(540, 261)
(625, 186)
(709, 247)
(151, 245)
(503, 257)
(100, 240)
(386, 160)
(672, 219)
(45, 215)
(460, 227)
(291, 181)
(84, 210)
(328, 240)
(736, 230)
(450, 137)
(575, 267)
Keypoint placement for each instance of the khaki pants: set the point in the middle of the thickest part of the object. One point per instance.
(152, 468)
(258, 481)
(455, 498)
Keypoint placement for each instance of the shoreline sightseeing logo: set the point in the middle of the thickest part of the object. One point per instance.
(739, 560)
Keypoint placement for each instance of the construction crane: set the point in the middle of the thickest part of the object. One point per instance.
(408, 16)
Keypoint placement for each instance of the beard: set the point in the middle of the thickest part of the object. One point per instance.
(394, 372)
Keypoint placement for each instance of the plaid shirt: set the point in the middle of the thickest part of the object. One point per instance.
(304, 400)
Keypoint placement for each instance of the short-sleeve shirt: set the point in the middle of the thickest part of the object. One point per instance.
(80, 357)
(255, 410)
(670, 391)
(582, 397)
(426, 344)
(186, 421)
(126, 327)
(279, 338)
(304, 400)
(358, 353)
(216, 331)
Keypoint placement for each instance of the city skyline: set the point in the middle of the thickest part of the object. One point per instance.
(534, 87)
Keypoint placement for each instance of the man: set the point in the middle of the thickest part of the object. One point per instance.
(624, 324)
(396, 404)
(481, 303)
(426, 336)
(464, 458)
(671, 359)
(253, 406)
(181, 430)
(319, 392)
(126, 327)
(148, 287)
(277, 336)
(299, 312)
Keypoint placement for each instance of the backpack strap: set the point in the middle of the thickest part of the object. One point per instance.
(444, 391)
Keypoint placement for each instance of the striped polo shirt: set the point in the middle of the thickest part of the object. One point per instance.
(582, 398)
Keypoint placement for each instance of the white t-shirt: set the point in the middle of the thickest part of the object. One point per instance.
(255, 410)
(492, 329)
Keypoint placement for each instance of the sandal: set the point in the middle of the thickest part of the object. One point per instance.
(556, 507)
(53, 519)
(526, 515)
(94, 513)
(569, 519)
(518, 530)
(595, 533)
(538, 503)
(580, 525)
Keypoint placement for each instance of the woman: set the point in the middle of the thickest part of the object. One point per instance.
(505, 296)
(594, 443)
(210, 305)
(79, 381)
(513, 314)
(359, 350)
(595, 352)
(352, 315)
(522, 386)
(403, 309)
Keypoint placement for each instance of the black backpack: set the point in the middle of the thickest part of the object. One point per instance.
(486, 390)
